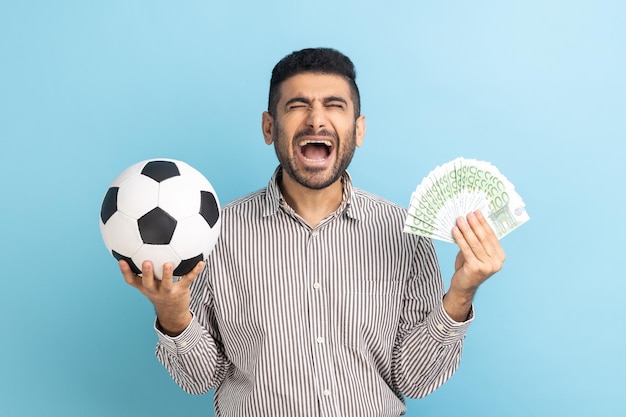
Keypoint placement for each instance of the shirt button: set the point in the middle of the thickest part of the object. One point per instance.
(183, 344)
(314, 233)
(317, 285)
(320, 340)
(326, 392)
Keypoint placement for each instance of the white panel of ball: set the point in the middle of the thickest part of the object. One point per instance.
(137, 196)
(121, 231)
(186, 248)
(179, 197)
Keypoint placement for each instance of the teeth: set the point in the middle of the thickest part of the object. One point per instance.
(324, 142)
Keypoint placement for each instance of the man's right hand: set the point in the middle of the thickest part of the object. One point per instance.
(171, 299)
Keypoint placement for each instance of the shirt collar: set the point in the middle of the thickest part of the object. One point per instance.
(274, 197)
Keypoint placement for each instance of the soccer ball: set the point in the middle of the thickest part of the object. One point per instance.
(161, 210)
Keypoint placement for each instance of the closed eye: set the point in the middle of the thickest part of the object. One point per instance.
(335, 102)
(297, 103)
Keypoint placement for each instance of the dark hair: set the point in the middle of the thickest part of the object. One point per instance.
(316, 60)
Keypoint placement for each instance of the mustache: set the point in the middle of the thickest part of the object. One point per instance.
(312, 132)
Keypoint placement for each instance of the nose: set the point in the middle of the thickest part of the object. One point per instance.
(316, 118)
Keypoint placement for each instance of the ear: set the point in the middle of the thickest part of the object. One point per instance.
(267, 126)
(360, 130)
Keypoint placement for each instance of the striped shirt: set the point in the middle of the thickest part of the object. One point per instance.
(342, 319)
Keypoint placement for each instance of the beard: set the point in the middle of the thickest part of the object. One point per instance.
(315, 179)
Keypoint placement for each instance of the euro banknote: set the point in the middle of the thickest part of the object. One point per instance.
(457, 188)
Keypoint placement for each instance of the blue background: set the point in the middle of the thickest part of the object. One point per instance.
(535, 87)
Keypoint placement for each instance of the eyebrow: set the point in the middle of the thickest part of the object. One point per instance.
(330, 99)
(334, 98)
(298, 99)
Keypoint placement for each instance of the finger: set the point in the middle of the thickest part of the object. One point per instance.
(466, 255)
(129, 275)
(494, 255)
(482, 230)
(471, 247)
(194, 273)
(167, 276)
(488, 236)
(147, 275)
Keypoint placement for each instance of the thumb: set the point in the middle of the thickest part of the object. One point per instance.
(194, 273)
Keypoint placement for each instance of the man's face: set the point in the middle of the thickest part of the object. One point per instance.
(314, 130)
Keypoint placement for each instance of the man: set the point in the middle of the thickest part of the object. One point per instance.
(314, 302)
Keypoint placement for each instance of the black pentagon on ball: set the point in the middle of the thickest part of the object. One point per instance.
(129, 261)
(109, 204)
(160, 170)
(209, 208)
(185, 266)
(156, 227)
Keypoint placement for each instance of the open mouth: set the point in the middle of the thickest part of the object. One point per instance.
(316, 150)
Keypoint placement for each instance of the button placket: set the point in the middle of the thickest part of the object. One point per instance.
(320, 322)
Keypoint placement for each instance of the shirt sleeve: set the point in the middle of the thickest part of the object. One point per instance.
(429, 343)
(195, 358)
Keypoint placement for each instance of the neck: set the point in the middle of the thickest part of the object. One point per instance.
(312, 205)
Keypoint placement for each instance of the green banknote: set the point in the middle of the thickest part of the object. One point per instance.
(457, 188)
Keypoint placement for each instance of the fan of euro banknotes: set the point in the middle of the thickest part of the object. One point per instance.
(457, 188)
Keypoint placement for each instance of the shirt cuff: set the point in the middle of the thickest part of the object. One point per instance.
(444, 329)
(184, 342)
